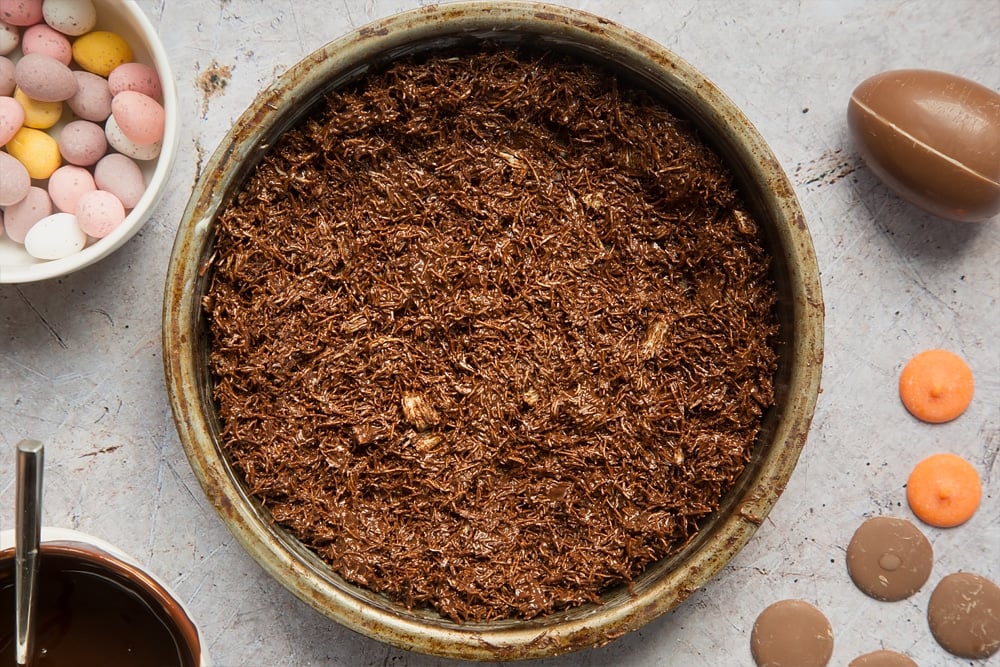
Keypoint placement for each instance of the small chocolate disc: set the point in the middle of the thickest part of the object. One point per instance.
(791, 633)
(964, 615)
(882, 659)
(889, 558)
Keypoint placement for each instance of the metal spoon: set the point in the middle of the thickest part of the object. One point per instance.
(27, 535)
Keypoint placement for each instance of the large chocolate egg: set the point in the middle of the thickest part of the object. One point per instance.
(933, 138)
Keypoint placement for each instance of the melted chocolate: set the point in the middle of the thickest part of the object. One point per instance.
(889, 558)
(964, 615)
(791, 633)
(491, 332)
(92, 613)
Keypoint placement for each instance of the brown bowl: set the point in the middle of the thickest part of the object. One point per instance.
(765, 190)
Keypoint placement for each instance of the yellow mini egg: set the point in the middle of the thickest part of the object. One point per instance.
(101, 51)
(40, 115)
(36, 150)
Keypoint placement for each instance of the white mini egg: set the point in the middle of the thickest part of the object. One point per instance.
(54, 237)
(70, 17)
(10, 38)
(124, 145)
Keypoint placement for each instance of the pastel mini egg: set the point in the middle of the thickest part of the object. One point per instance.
(39, 115)
(139, 116)
(21, 12)
(933, 138)
(99, 213)
(101, 51)
(7, 80)
(40, 38)
(20, 217)
(10, 38)
(67, 184)
(36, 150)
(70, 17)
(139, 77)
(44, 78)
(121, 176)
(11, 118)
(122, 144)
(93, 97)
(15, 181)
(83, 143)
(54, 237)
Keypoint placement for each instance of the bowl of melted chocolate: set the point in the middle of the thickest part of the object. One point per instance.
(96, 607)
(493, 330)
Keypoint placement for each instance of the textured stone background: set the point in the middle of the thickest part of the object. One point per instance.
(80, 357)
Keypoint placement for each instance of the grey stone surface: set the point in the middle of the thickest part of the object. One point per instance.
(81, 366)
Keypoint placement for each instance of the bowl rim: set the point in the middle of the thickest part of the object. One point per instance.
(156, 185)
(349, 605)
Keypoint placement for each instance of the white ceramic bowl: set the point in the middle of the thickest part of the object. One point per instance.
(126, 19)
(103, 551)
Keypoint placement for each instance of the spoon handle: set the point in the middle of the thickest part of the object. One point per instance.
(27, 535)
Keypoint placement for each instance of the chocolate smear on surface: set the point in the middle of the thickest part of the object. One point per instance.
(491, 332)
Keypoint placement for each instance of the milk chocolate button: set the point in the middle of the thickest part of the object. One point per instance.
(889, 558)
(964, 615)
(791, 633)
(882, 659)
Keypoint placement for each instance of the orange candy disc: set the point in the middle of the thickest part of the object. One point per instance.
(944, 490)
(936, 386)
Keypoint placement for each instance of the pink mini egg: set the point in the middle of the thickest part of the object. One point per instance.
(122, 144)
(99, 212)
(67, 184)
(10, 38)
(7, 80)
(14, 180)
(93, 97)
(83, 143)
(21, 12)
(138, 116)
(121, 176)
(44, 78)
(138, 77)
(54, 237)
(11, 118)
(20, 217)
(40, 38)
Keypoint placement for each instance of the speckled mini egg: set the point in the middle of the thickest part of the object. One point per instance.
(40, 38)
(99, 213)
(67, 184)
(7, 80)
(54, 237)
(21, 12)
(36, 150)
(10, 38)
(93, 97)
(101, 51)
(121, 176)
(11, 118)
(82, 143)
(15, 181)
(138, 77)
(139, 116)
(39, 115)
(44, 78)
(70, 17)
(122, 144)
(20, 217)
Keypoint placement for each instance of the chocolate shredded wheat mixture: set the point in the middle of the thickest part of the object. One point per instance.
(491, 332)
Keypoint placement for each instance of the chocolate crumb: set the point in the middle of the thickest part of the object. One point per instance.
(491, 332)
